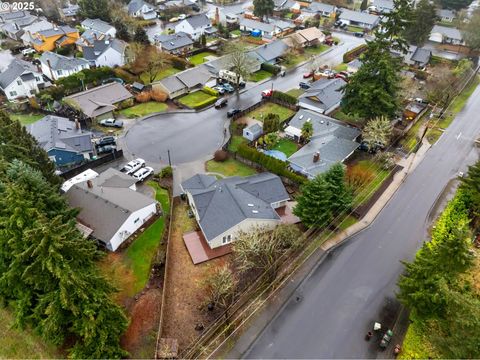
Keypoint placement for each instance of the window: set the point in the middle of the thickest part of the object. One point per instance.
(59, 72)
(38, 78)
(13, 93)
(226, 239)
(19, 82)
(136, 220)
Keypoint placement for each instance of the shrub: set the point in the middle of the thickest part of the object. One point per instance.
(126, 104)
(358, 176)
(144, 97)
(274, 69)
(125, 75)
(205, 103)
(220, 155)
(271, 123)
(166, 172)
(159, 95)
(287, 98)
(92, 76)
(57, 92)
(421, 75)
(178, 63)
(355, 52)
(210, 91)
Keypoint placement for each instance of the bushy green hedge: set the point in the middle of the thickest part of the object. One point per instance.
(287, 98)
(208, 90)
(205, 103)
(276, 166)
(92, 76)
(354, 53)
(274, 69)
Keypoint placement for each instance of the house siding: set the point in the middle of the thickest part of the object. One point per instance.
(110, 58)
(23, 90)
(54, 74)
(63, 157)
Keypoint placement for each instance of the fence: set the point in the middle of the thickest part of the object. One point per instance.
(92, 164)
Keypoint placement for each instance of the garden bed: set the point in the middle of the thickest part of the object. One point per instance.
(143, 109)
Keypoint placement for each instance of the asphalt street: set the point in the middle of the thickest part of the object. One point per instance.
(356, 284)
(192, 136)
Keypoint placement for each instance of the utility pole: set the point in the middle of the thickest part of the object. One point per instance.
(169, 160)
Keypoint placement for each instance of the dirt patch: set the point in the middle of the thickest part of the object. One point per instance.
(121, 276)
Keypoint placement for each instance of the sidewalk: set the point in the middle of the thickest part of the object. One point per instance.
(272, 307)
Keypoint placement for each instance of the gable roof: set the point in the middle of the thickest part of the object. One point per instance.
(255, 129)
(97, 25)
(92, 53)
(58, 31)
(223, 204)
(34, 28)
(271, 51)
(311, 34)
(11, 16)
(321, 7)
(446, 13)
(421, 55)
(256, 25)
(387, 5)
(324, 93)
(198, 75)
(54, 132)
(16, 68)
(358, 16)
(449, 32)
(70, 10)
(60, 62)
(173, 41)
(101, 99)
(198, 21)
(135, 5)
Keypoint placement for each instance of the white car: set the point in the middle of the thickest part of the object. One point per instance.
(182, 17)
(143, 173)
(133, 166)
(28, 51)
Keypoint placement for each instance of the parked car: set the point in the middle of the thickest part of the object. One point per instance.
(220, 89)
(345, 73)
(106, 149)
(341, 76)
(308, 75)
(359, 34)
(174, 19)
(221, 103)
(133, 166)
(337, 23)
(343, 25)
(28, 51)
(229, 88)
(111, 123)
(182, 17)
(106, 140)
(304, 85)
(143, 173)
(232, 112)
(267, 93)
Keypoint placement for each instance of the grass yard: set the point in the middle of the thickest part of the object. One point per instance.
(341, 67)
(433, 135)
(22, 344)
(194, 98)
(160, 75)
(230, 167)
(283, 112)
(259, 75)
(416, 344)
(236, 141)
(236, 32)
(286, 146)
(354, 28)
(411, 138)
(144, 109)
(26, 119)
(315, 50)
(199, 59)
(347, 222)
(367, 191)
(295, 59)
(295, 92)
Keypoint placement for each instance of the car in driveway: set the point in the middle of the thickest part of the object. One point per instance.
(220, 89)
(308, 75)
(267, 93)
(106, 149)
(106, 140)
(143, 173)
(111, 123)
(229, 88)
(133, 166)
(233, 112)
(358, 34)
(221, 103)
(304, 85)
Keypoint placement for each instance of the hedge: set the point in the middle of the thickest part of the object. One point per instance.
(204, 103)
(270, 163)
(284, 97)
(208, 90)
(92, 76)
(274, 69)
(354, 53)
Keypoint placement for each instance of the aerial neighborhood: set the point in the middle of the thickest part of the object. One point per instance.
(174, 172)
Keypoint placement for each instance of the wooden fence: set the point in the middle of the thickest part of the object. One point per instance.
(92, 164)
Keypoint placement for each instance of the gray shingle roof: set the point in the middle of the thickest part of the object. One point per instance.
(58, 31)
(13, 71)
(446, 13)
(71, 10)
(449, 32)
(324, 93)
(422, 56)
(320, 7)
(172, 84)
(54, 132)
(358, 16)
(135, 5)
(272, 51)
(97, 25)
(385, 5)
(256, 25)
(60, 62)
(222, 204)
(173, 41)
(198, 21)
(195, 76)
(255, 129)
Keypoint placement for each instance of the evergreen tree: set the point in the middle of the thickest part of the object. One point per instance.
(390, 34)
(364, 5)
(313, 205)
(423, 19)
(122, 31)
(263, 8)
(341, 196)
(141, 36)
(95, 9)
(307, 131)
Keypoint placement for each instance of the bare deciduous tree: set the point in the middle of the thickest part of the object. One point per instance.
(220, 286)
(239, 62)
(377, 132)
(149, 60)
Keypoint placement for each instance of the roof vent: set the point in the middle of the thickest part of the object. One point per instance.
(255, 211)
(308, 120)
(321, 121)
(251, 205)
(301, 117)
(171, 43)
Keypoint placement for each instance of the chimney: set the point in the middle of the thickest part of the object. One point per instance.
(77, 124)
(90, 184)
(95, 35)
(316, 156)
(50, 68)
(217, 16)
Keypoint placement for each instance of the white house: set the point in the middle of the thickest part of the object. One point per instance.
(140, 8)
(446, 35)
(99, 27)
(20, 80)
(106, 52)
(56, 66)
(110, 207)
(195, 26)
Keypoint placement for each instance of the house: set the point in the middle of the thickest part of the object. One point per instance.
(48, 40)
(140, 8)
(99, 102)
(195, 26)
(225, 207)
(21, 80)
(253, 132)
(285, 5)
(323, 96)
(172, 86)
(64, 141)
(446, 35)
(27, 37)
(312, 35)
(56, 66)
(266, 30)
(107, 52)
(325, 10)
(12, 24)
(360, 19)
(331, 142)
(271, 52)
(185, 81)
(99, 27)
(177, 44)
(354, 65)
(69, 12)
(382, 6)
(414, 55)
(283, 27)
(110, 207)
(446, 15)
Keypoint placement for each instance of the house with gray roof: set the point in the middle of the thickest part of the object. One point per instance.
(185, 81)
(56, 66)
(225, 207)
(106, 52)
(140, 8)
(27, 38)
(382, 6)
(323, 96)
(446, 35)
(21, 79)
(360, 19)
(110, 208)
(267, 30)
(69, 12)
(99, 26)
(195, 26)
(446, 15)
(64, 141)
(179, 43)
(253, 132)
(12, 24)
(322, 9)
(271, 52)
(416, 56)
(99, 102)
(282, 5)
(332, 142)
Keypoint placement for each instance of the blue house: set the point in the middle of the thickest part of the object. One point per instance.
(64, 140)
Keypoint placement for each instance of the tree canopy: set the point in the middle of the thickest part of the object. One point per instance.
(95, 9)
(263, 8)
(423, 19)
(454, 4)
(471, 32)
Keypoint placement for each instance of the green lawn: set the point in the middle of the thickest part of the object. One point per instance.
(26, 119)
(341, 67)
(367, 191)
(199, 59)
(286, 146)
(416, 344)
(194, 98)
(347, 222)
(230, 167)
(236, 141)
(315, 50)
(160, 75)
(22, 344)
(411, 138)
(236, 32)
(141, 252)
(144, 109)
(354, 28)
(433, 135)
(283, 112)
(294, 59)
(259, 75)
(295, 92)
